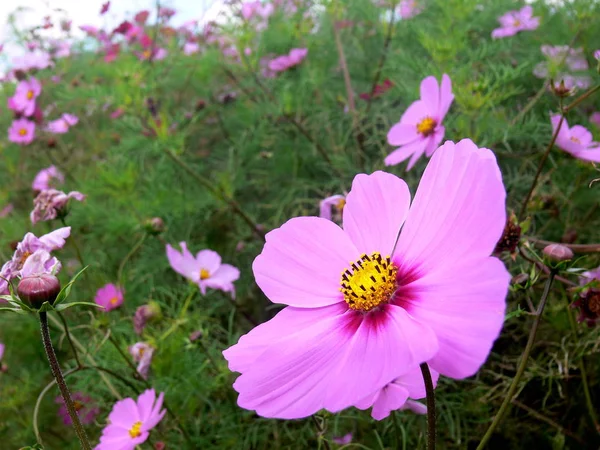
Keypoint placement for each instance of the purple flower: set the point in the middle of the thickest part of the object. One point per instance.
(25, 96)
(576, 140)
(47, 178)
(62, 125)
(142, 354)
(51, 203)
(86, 408)
(285, 62)
(109, 297)
(189, 48)
(561, 62)
(515, 21)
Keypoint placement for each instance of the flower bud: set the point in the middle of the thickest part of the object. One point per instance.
(37, 289)
(561, 90)
(154, 226)
(196, 335)
(558, 252)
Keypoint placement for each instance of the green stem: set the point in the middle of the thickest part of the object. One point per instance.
(68, 334)
(521, 369)
(135, 248)
(60, 381)
(187, 302)
(581, 98)
(431, 416)
(320, 426)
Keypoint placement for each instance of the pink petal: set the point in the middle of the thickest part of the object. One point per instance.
(56, 239)
(458, 211)
(405, 152)
(430, 93)
(124, 413)
(145, 402)
(465, 306)
(375, 211)
(209, 260)
(183, 263)
(391, 398)
(302, 261)
(402, 134)
(334, 362)
(416, 112)
(417, 154)
(446, 97)
(582, 133)
(590, 154)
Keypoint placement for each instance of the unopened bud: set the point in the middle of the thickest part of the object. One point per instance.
(558, 252)
(37, 289)
(154, 226)
(196, 335)
(561, 89)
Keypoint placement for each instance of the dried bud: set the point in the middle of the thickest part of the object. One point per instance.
(145, 314)
(200, 105)
(51, 142)
(154, 226)
(160, 445)
(37, 289)
(510, 237)
(196, 335)
(561, 90)
(558, 252)
(569, 237)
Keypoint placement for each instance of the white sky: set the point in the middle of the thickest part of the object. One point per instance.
(87, 12)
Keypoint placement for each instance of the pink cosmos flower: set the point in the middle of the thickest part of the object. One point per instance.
(30, 245)
(417, 284)
(86, 408)
(21, 131)
(142, 354)
(109, 297)
(51, 203)
(206, 269)
(562, 61)
(189, 48)
(409, 8)
(595, 118)
(25, 95)
(420, 128)
(397, 394)
(130, 422)
(47, 179)
(285, 62)
(62, 125)
(327, 204)
(343, 440)
(104, 9)
(515, 21)
(576, 140)
(32, 60)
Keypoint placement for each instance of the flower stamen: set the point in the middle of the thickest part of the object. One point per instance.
(136, 430)
(370, 282)
(204, 274)
(426, 126)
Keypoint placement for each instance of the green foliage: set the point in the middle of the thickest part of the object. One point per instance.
(276, 150)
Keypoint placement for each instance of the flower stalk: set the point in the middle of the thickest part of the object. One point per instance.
(431, 416)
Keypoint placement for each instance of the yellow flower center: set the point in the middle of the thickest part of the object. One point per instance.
(147, 53)
(30, 95)
(517, 23)
(426, 127)
(77, 405)
(576, 140)
(369, 282)
(22, 259)
(204, 274)
(114, 300)
(340, 204)
(136, 430)
(22, 132)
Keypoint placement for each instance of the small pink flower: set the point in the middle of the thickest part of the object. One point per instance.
(513, 22)
(206, 269)
(47, 179)
(32, 60)
(420, 128)
(595, 118)
(1, 350)
(343, 440)
(141, 17)
(104, 9)
(111, 52)
(130, 422)
(397, 394)
(562, 64)
(597, 55)
(143, 315)
(86, 408)
(189, 48)
(327, 204)
(90, 30)
(117, 113)
(62, 125)
(576, 140)
(51, 203)
(109, 297)
(409, 8)
(6, 210)
(25, 96)
(21, 131)
(142, 354)
(285, 62)
(397, 286)
(166, 13)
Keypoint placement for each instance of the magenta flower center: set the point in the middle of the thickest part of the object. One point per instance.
(22, 132)
(204, 274)
(369, 282)
(136, 430)
(426, 127)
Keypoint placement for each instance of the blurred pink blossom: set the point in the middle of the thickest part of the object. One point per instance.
(513, 22)
(105, 8)
(576, 140)
(595, 118)
(285, 62)
(6, 210)
(25, 96)
(142, 354)
(21, 131)
(109, 297)
(117, 113)
(86, 408)
(51, 203)
(326, 205)
(189, 48)
(47, 179)
(62, 125)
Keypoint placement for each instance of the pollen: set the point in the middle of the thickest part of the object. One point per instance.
(340, 204)
(426, 126)
(576, 140)
(22, 132)
(369, 282)
(114, 301)
(204, 274)
(30, 95)
(136, 430)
